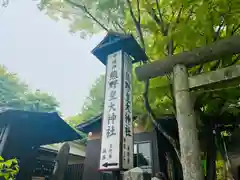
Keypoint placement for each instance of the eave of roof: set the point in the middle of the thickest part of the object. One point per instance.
(91, 125)
(36, 128)
(94, 123)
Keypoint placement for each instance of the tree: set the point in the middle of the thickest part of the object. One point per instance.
(93, 104)
(165, 28)
(4, 3)
(82, 14)
(16, 94)
(40, 101)
(162, 28)
(11, 89)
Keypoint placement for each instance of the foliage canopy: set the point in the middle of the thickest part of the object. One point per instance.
(14, 93)
(162, 28)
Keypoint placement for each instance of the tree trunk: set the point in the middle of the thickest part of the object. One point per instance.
(188, 134)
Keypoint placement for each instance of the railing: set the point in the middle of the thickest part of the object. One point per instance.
(74, 172)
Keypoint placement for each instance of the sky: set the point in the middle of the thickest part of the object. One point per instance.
(46, 56)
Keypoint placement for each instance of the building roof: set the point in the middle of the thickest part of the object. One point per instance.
(94, 124)
(91, 125)
(36, 128)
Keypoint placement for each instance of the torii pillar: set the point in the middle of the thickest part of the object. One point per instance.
(188, 134)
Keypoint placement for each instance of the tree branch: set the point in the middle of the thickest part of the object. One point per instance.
(189, 15)
(235, 29)
(178, 17)
(216, 65)
(146, 101)
(235, 60)
(136, 22)
(171, 24)
(138, 10)
(158, 125)
(170, 48)
(179, 14)
(217, 33)
(145, 94)
(159, 12)
(146, 90)
(5, 3)
(67, 12)
(120, 27)
(157, 20)
(84, 8)
(216, 36)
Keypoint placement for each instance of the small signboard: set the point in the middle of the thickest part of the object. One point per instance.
(117, 133)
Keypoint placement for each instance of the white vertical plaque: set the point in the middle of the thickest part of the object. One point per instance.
(117, 129)
(111, 122)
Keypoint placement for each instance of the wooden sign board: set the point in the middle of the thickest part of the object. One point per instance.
(117, 129)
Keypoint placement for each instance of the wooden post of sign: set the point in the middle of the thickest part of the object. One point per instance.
(116, 175)
(188, 134)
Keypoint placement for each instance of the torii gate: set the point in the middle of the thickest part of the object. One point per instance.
(178, 64)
